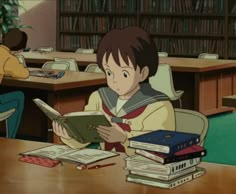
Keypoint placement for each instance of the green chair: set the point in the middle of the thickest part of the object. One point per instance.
(162, 81)
(56, 65)
(93, 68)
(191, 121)
(72, 63)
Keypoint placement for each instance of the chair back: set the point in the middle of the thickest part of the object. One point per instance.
(4, 115)
(162, 81)
(162, 54)
(45, 49)
(94, 68)
(191, 121)
(56, 65)
(208, 56)
(21, 59)
(72, 63)
(84, 51)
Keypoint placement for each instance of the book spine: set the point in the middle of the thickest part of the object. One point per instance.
(184, 145)
(164, 177)
(178, 166)
(184, 157)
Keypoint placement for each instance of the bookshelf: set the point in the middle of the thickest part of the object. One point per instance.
(183, 28)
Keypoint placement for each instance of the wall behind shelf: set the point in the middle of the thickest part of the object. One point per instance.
(41, 15)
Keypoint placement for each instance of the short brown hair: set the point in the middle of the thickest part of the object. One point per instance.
(133, 43)
(15, 39)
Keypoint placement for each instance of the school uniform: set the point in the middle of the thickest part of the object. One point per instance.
(145, 111)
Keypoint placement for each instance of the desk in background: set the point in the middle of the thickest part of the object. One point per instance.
(36, 59)
(204, 81)
(67, 94)
(24, 178)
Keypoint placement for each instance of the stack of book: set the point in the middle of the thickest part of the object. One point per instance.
(165, 159)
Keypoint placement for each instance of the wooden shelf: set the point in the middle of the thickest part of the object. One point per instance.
(212, 21)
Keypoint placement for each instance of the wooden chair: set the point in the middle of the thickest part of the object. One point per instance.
(191, 121)
(163, 82)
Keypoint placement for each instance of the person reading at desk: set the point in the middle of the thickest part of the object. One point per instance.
(14, 40)
(128, 57)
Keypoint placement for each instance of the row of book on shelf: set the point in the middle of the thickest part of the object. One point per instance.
(152, 24)
(167, 6)
(165, 158)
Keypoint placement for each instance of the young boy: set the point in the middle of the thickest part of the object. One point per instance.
(14, 40)
(128, 57)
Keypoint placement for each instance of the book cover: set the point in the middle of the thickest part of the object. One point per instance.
(140, 163)
(164, 141)
(166, 184)
(79, 125)
(187, 153)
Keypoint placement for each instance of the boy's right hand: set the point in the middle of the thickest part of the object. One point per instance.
(59, 131)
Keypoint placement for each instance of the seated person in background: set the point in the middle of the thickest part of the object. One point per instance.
(128, 57)
(14, 40)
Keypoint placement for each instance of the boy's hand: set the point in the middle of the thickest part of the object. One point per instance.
(59, 131)
(112, 134)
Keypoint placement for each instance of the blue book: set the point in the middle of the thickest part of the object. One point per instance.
(164, 141)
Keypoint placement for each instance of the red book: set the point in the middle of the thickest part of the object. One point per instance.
(185, 154)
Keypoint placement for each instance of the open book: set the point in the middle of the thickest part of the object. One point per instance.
(79, 125)
(67, 154)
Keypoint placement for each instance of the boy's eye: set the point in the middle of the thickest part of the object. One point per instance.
(125, 74)
(108, 72)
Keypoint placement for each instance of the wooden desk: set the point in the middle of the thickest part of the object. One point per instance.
(70, 93)
(24, 178)
(35, 57)
(204, 82)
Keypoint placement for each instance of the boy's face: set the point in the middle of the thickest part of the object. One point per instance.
(121, 79)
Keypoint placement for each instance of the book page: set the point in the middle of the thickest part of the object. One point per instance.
(83, 113)
(52, 152)
(87, 156)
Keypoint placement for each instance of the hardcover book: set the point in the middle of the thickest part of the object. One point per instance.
(164, 141)
(140, 163)
(164, 177)
(166, 184)
(79, 125)
(187, 153)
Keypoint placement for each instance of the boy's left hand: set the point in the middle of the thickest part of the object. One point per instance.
(112, 134)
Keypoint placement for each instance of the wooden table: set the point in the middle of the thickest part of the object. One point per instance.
(24, 178)
(204, 81)
(70, 93)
